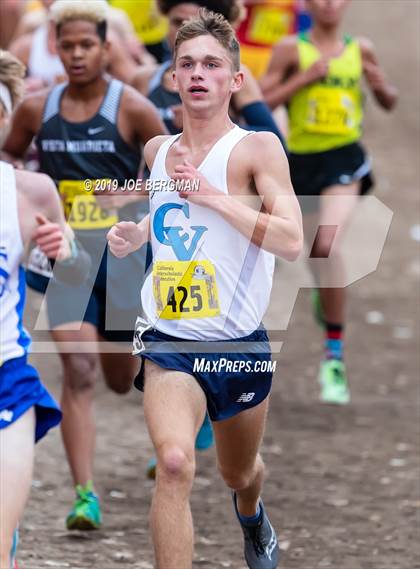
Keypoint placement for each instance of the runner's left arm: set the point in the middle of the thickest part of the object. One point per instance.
(276, 225)
(385, 94)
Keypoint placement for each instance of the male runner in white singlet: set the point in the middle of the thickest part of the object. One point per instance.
(213, 261)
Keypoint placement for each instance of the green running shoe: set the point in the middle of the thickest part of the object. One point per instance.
(86, 512)
(333, 380)
(317, 307)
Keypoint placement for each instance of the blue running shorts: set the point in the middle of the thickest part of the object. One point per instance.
(21, 389)
(234, 380)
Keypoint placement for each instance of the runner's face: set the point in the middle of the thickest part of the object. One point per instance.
(204, 74)
(82, 52)
(327, 12)
(177, 16)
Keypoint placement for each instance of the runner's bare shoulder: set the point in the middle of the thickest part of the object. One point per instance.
(367, 49)
(27, 121)
(32, 107)
(259, 152)
(254, 147)
(131, 99)
(141, 114)
(151, 148)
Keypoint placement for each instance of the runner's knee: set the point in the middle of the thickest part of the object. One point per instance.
(119, 382)
(175, 464)
(239, 479)
(80, 371)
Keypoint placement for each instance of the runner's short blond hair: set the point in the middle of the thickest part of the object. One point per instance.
(210, 24)
(12, 73)
(95, 11)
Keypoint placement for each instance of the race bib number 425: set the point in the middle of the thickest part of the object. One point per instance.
(81, 209)
(185, 289)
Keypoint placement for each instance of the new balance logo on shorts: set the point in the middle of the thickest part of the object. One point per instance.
(245, 397)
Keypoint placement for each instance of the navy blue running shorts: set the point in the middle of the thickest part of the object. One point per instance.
(232, 381)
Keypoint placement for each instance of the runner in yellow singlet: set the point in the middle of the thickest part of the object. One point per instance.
(318, 75)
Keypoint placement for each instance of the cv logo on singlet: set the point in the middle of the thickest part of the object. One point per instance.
(175, 236)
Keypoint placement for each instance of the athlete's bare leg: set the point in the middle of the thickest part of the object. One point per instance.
(332, 221)
(119, 369)
(237, 442)
(174, 407)
(17, 444)
(78, 429)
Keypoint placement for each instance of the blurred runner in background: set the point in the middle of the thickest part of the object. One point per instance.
(27, 410)
(91, 128)
(318, 75)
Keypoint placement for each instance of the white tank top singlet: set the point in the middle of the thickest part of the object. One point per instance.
(208, 282)
(14, 340)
